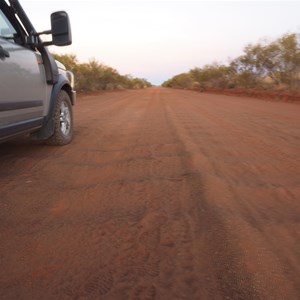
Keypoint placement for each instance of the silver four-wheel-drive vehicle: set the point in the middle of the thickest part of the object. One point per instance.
(36, 92)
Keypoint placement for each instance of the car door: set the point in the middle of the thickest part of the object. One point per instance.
(22, 83)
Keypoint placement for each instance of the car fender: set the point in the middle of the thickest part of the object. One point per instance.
(47, 129)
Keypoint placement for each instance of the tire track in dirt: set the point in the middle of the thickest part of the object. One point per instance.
(263, 279)
(145, 265)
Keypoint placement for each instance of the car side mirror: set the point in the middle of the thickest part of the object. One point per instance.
(61, 29)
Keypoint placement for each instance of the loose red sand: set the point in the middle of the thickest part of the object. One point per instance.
(163, 194)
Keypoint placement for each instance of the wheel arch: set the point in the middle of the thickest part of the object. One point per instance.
(48, 128)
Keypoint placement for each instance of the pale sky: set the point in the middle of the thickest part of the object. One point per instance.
(157, 39)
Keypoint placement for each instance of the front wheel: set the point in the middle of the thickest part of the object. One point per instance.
(63, 121)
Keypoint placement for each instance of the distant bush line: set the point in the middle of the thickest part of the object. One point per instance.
(94, 76)
(266, 65)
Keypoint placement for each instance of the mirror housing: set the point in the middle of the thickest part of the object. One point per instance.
(61, 29)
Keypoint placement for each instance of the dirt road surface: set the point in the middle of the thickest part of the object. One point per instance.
(163, 194)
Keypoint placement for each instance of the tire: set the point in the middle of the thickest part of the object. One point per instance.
(63, 121)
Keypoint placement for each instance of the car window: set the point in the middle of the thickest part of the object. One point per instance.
(7, 31)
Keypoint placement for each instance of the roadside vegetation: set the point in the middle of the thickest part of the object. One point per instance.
(266, 65)
(94, 76)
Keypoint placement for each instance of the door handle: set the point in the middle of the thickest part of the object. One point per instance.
(3, 53)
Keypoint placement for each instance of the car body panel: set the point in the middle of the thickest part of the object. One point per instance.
(22, 85)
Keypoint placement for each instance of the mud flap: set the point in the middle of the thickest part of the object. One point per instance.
(45, 132)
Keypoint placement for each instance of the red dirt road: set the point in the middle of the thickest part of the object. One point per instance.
(163, 194)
